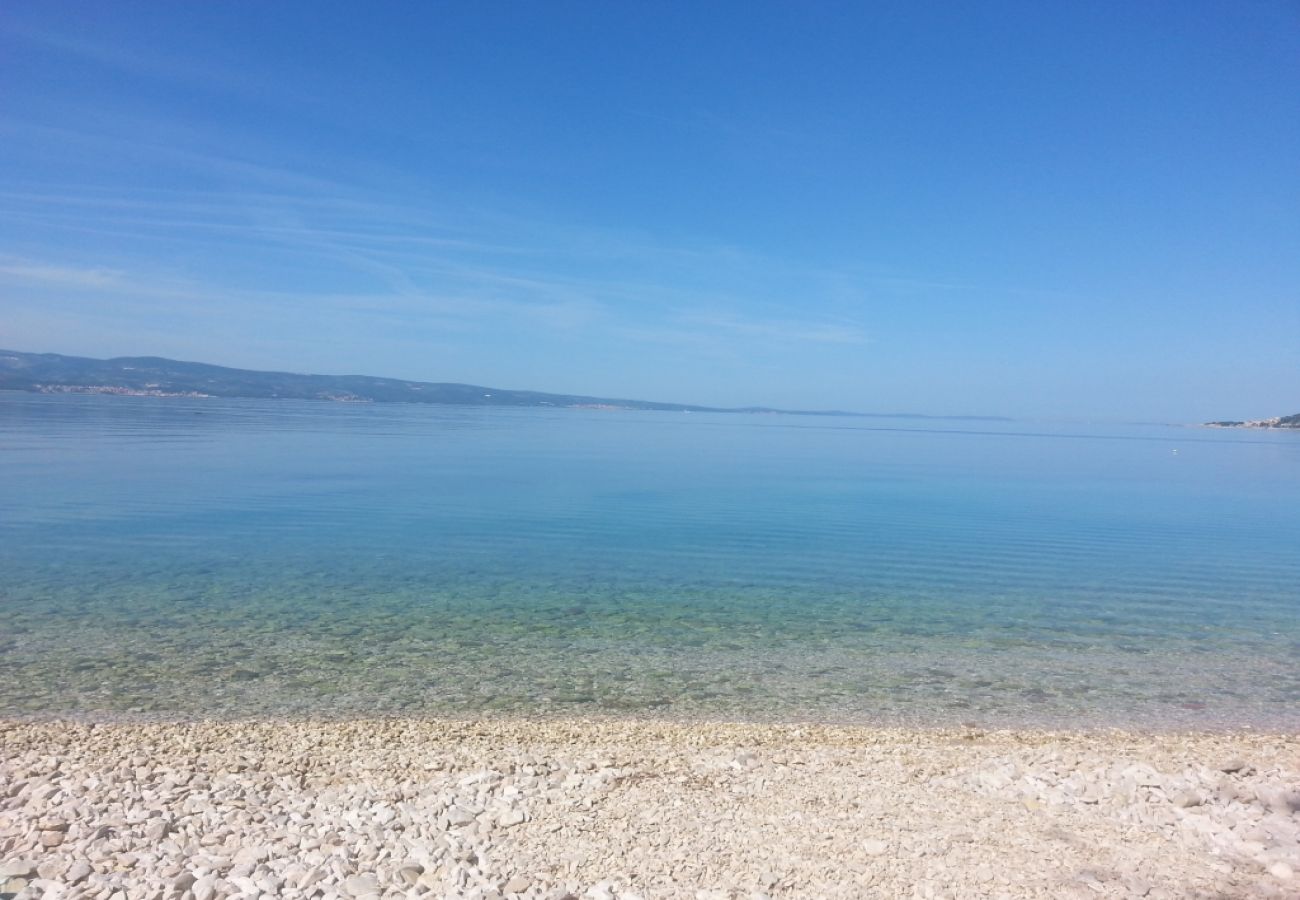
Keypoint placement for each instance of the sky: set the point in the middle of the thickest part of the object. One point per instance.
(1082, 211)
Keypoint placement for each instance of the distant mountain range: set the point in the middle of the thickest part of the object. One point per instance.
(1276, 422)
(152, 376)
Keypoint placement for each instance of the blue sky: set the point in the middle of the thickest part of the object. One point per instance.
(1054, 210)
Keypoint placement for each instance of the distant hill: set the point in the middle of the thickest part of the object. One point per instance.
(151, 376)
(1277, 422)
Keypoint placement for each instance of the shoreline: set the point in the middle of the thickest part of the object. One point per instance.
(1081, 727)
(602, 808)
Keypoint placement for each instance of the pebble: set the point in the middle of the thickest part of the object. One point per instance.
(18, 868)
(51, 869)
(624, 810)
(78, 872)
(205, 888)
(250, 856)
(361, 885)
(458, 816)
(517, 885)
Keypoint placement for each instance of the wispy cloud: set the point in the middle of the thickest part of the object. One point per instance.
(157, 62)
(57, 275)
(788, 330)
(307, 255)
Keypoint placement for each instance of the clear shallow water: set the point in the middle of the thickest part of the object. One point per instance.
(214, 558)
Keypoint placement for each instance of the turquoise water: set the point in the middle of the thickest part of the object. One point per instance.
(185, 558)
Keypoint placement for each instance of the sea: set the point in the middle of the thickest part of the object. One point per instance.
(198, 558)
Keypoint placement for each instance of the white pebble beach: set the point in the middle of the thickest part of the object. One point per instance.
(614, 810)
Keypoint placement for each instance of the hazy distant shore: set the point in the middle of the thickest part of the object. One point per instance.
(150, 376)
(611, 808)
(1284, 423)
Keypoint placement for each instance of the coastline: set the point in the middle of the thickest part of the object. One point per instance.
(623, 808)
